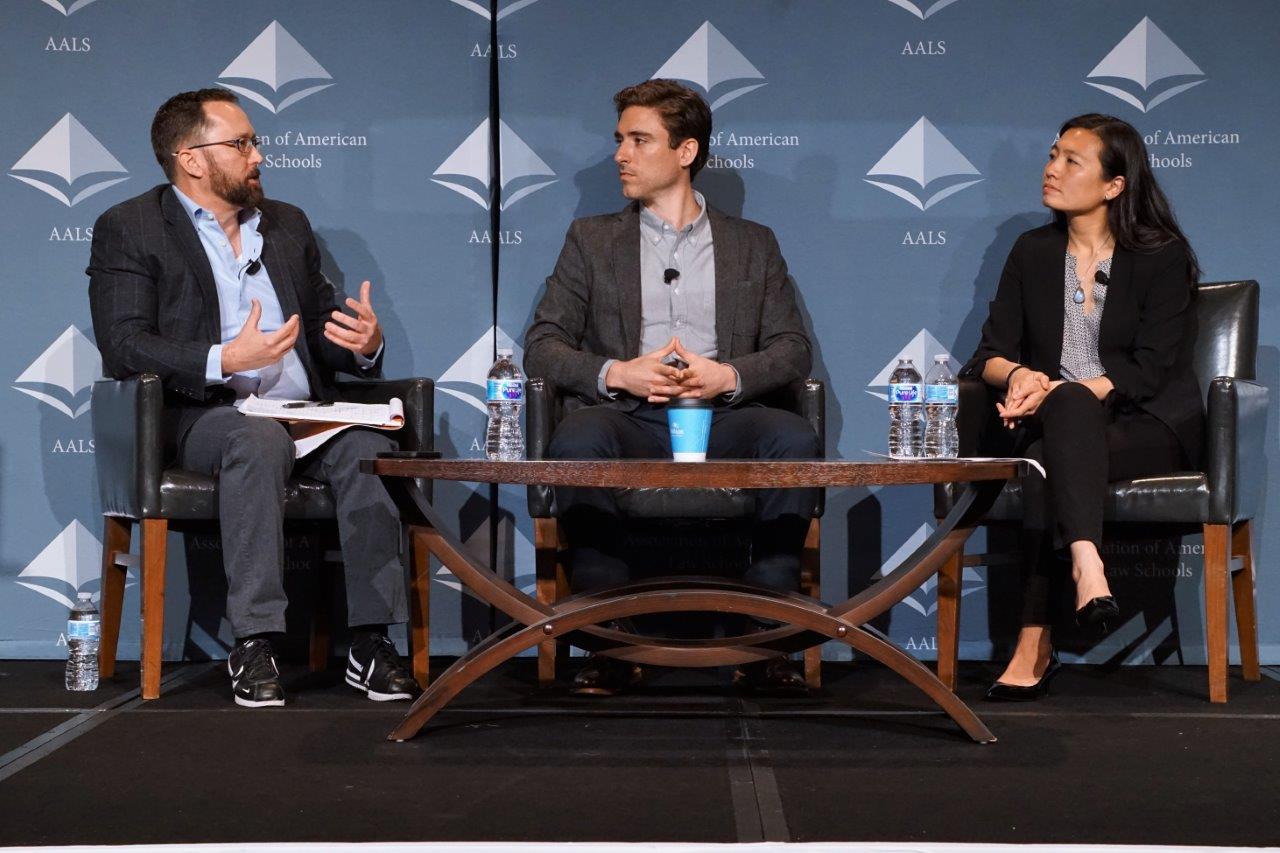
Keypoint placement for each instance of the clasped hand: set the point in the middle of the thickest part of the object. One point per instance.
(1027, 390)
(649, 377)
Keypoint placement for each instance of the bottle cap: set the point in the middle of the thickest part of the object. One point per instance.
(505, 351)
(941, 358)
(85, 596)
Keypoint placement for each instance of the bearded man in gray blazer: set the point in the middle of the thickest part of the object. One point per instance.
(671, 298)
(219, 291)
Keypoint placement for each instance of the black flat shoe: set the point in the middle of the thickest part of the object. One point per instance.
(1001, 692)
(1102, 610)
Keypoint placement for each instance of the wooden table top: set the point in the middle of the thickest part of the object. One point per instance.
(742, 474)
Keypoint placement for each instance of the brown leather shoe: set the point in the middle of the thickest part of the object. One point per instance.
(605, 676)
(774, 677)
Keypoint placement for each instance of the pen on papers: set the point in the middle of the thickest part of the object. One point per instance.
(302, 404)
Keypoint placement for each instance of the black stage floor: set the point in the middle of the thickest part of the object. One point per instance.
(1134, 755)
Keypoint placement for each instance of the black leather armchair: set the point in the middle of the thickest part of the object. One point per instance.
(1221, 500)
(544, 410)
(137, 488)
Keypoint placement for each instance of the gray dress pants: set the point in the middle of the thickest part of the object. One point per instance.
(253, 459)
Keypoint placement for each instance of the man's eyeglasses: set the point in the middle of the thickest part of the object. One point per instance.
(243, 144)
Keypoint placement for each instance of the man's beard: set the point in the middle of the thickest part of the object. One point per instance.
(241, 194)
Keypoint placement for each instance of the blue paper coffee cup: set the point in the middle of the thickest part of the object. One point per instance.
(690, 424)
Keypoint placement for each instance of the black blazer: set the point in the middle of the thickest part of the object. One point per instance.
(1145, 342)
(591, 309)
(155, 304)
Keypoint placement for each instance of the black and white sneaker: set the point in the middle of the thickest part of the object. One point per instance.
(255, 678)
(374, 668)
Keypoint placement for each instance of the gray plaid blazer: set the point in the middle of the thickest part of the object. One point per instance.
(155, 305)
(590, 311)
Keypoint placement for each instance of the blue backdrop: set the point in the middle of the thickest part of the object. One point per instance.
(894, 146)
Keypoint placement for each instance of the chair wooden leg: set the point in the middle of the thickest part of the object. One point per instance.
(155, 534)
(116, 535)
(811, 585)
(546, 545)
(950, 577)
(420, 604)
(1217, 559)
(1242, 589)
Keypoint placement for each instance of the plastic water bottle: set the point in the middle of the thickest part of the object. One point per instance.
(84, 627)
(941, 402)
(905, 418)
(504, 396)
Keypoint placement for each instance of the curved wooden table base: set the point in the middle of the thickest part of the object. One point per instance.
(806, 621)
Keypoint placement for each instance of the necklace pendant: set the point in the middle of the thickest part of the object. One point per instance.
(1078, 296)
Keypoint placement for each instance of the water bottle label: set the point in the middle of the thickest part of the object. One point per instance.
(945, 394)
(904, 392)
(83, 629)
(505, 391)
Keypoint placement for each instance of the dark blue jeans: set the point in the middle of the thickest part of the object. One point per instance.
(591, 517)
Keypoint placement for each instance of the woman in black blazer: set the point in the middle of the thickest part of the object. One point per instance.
(1090, 340)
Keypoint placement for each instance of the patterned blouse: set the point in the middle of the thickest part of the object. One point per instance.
(1080, 331)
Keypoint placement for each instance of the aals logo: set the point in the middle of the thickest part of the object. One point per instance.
(275, 59)
(481, 7)
(1144, 58)
(465, 378)
(923, 10)
(68, 8)
(922, 350)
(710, 61)
(69, 563)
(925, 599)
(71, 154)
(63, 374)
(466, 171)
(927, 159)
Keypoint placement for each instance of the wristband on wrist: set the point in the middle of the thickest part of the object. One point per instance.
(1009, 375)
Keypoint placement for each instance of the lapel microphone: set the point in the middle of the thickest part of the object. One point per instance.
(669, 275)
(1101, 277)
(253, 267)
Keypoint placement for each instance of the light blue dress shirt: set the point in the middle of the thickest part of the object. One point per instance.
(287, 378)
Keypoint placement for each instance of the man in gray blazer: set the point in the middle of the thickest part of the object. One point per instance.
(218, 290)
(671, 298)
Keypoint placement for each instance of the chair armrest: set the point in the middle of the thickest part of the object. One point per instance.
(539, 422)
(1235, 449)
(128, 446)
(813, 408)
(418, 396)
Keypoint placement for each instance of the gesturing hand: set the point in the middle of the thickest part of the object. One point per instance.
(703, 378)
(252, 348)
(361, 333)
(646, 376)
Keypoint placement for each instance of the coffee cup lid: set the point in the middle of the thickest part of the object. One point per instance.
(689, 403)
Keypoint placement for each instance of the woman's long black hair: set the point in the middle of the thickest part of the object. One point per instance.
(1140, 218)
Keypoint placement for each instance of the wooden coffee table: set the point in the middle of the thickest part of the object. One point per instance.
(803, 621)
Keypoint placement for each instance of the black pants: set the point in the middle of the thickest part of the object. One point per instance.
(1083, 445)
(591, 516)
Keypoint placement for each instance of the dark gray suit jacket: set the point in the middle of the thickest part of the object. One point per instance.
(591, 309)
(155, 304)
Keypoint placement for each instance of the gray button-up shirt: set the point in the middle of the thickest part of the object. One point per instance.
(686, 308)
